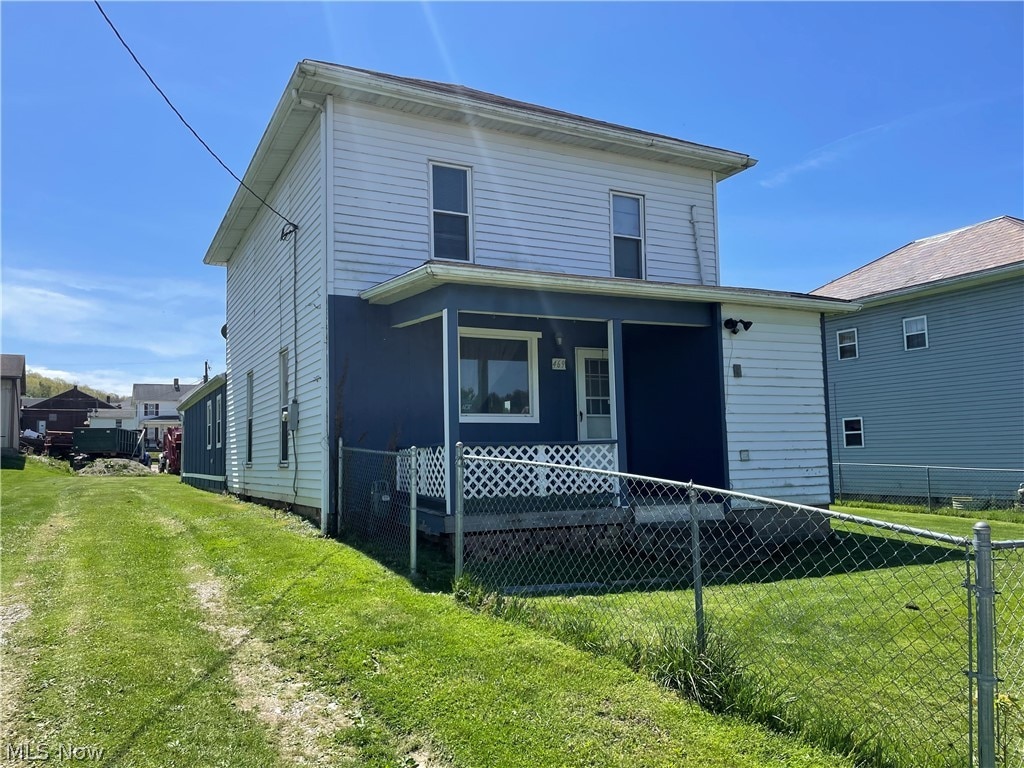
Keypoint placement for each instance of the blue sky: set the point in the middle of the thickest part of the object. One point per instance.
(874, 125)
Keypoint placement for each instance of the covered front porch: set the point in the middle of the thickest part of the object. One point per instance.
(592, 372)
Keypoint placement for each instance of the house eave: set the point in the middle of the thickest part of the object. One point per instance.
(200, 392)
(434, 274)
(937, 287)
(312, 81)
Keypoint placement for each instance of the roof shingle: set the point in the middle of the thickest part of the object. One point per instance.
(978, 248)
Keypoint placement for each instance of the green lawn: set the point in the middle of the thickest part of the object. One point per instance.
(866, 633)
(171, 627)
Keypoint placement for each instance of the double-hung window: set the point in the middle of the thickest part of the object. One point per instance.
(282, 372)
(915, 332)
(451, 221)
(220, 422)
(853, 432)
(248, 417)
(498, 379)
(151, 409)
(846, 342)
(627, 235)
(209, 424)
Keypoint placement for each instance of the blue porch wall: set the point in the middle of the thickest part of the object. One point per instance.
(674, 403)
(387, 384)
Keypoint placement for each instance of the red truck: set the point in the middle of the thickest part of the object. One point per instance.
(170, 458)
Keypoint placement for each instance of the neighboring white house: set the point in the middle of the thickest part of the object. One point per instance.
(427, 240)
(153, 407)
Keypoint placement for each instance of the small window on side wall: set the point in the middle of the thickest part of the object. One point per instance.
(915, 332)
(450, 221)
(853, 433)
(627, 236)
(846, 342)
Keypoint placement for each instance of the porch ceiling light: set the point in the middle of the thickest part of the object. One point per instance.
(736, 325)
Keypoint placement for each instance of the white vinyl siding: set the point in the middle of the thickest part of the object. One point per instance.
(260, 324)
(534, 205)
(776, 409)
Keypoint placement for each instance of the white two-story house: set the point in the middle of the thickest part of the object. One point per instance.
(435, 264)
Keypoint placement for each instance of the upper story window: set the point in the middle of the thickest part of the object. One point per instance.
(450, 215)
(627, 235)
(151, 409)
(915, 332)
(498, 375)
(846, 342)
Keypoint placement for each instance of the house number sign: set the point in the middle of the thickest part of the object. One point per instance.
(557, 363)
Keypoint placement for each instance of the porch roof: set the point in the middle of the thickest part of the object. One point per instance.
(433, 274)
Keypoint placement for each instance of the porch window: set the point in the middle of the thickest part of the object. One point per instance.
(627, 236)
(450, 216)
(498, 375)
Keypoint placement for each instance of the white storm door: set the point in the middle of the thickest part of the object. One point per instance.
(593, 394)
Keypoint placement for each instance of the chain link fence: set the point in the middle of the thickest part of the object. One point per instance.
(960, 489)
(855, 633)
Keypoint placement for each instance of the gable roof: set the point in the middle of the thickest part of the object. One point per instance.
(312, 81)
(160, 393)
(72, 399)
(12, 366)
(991, 246)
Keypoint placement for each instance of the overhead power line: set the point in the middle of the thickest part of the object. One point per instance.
(185, 122)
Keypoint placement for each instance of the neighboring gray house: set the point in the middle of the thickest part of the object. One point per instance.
(154, 408)
(12, 376)
(931, 370)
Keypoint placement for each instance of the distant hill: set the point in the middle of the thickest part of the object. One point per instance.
(37, 385)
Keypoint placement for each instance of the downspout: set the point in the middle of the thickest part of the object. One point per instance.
(696, 245)
(327, 525)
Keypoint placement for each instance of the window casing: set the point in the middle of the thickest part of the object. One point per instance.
(209, 424)
(853, 432)
(846, 343)
(498, 376)
(283, 383)
(451, 219)
(627, 235)
(220, 422)
(915, 332)
(248, 417)
(151, 409)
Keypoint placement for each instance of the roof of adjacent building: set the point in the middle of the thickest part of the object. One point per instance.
(980, 248)
(72, 399)
(160, 393)
(12, 366)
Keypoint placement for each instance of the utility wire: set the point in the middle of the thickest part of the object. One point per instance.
(185, 122)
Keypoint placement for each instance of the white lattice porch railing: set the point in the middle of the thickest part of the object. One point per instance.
(491, 479)
(431, 477)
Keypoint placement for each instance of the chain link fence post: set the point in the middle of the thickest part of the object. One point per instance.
(459, 503)
(341, 487)
(697, 575)
(413, 455)
(984, 595)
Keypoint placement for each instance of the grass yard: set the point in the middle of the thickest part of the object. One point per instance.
(164, 626)
(861, 641)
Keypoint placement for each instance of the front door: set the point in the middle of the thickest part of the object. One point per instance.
(593, 394)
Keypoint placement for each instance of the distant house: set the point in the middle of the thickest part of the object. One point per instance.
(12, 381)
(63, 412)
(464, 267)
(204, 435)
(931, 370)
(153, 407)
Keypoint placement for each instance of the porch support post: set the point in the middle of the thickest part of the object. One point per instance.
(450, 329)
(618, 390)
